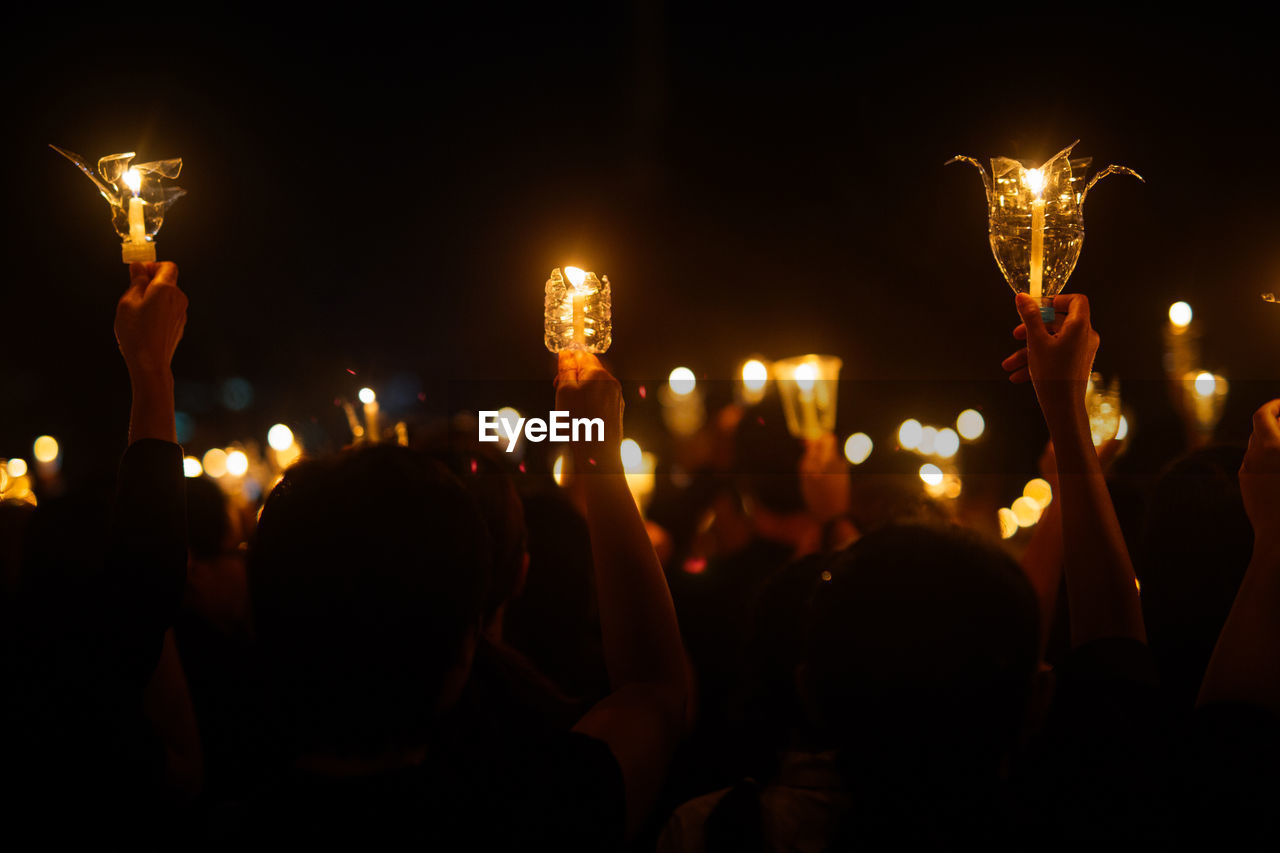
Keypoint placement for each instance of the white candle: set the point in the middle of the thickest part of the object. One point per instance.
(137, 222)
(370, 401)
(1035, 183)
(805, 377)
(578, 300)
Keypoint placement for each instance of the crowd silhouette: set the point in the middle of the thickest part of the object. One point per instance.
(411, 649)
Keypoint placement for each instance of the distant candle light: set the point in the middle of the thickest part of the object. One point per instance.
(682, 381)
(1180, 314)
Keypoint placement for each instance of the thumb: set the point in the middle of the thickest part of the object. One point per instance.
(1029, 311)
(139, 277)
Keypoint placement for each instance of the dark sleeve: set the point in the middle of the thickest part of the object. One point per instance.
(569, 796)
(1101, 761)
(1230, 776)
(140, 588)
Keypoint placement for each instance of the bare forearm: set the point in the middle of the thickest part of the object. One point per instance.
(151, 414)
(637, 618)
(1042, 564)
(1101, 586)
(1245, 666)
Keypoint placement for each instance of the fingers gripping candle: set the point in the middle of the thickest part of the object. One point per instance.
(577, 314)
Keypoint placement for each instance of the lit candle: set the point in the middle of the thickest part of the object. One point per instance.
(806, 374)
(578, 299)
(137, 223)
(1035, 182)
(370, 401)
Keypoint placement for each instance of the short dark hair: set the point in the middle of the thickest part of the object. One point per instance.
(766, 459)
(367, 575)
(923, 638)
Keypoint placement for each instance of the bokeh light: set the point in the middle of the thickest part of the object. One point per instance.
(857, 448)
(215, 463)
(279, 437)
(682, 380)
(191, 467)
(45, 448)
(970, 424)
(909, 434)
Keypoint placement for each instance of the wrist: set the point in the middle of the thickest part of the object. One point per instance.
(150, 378)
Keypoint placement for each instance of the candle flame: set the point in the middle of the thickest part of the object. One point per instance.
(754, 375)
(1180, 314)
(1206, 383)
(576, 277)
(133, 180)
(806, 375)
(366, 395)
(1034, 180)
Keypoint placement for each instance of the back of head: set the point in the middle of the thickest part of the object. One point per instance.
(921, 653)
(767, 459)
(1195, 548)
(489, 484)
(367, 577)
(208, 524)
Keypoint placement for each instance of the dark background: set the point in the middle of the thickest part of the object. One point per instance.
(385, 192)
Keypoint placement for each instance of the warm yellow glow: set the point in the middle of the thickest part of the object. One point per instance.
(1123, 430)
(557, 470)
(576, 276)
(1205, 384)
(215, 463)
(947, 443)
(909, 434)
(279, 437)
(191, 467)
(45, 448)
(682, 381)
(288, 456)
(366, 395)
(857, 448)
(806, 374)
(133, 180)
(1027, 511)
(970, 424)
(1180, 314)
(931, 474)
(928, 440)
(1034, 180)
(951, 486)
(755, 374)
(17, 468)
(1039, 491)
(237, 463)
(1008, 522)
(632, 456)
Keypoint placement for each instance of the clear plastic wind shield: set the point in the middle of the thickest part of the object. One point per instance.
(138, 194)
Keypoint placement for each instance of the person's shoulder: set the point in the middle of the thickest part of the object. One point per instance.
(685, 832)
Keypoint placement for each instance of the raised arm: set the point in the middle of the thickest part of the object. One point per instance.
(1101, 586)
(646, 714)
(1245, 666)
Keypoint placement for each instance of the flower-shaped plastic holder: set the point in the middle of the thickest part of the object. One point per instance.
(138, 196)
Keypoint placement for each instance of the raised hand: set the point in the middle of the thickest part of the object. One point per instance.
(150, 318)
(1057, 363)
(585, 389)
(1260, 477)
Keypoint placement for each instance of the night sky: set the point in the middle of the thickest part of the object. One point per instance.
(385, 192)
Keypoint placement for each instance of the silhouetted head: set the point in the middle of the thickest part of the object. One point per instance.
(767, 459)
(208, 524)
(487, 481)
(921, 653)
(1196, 545)
(367, 579)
